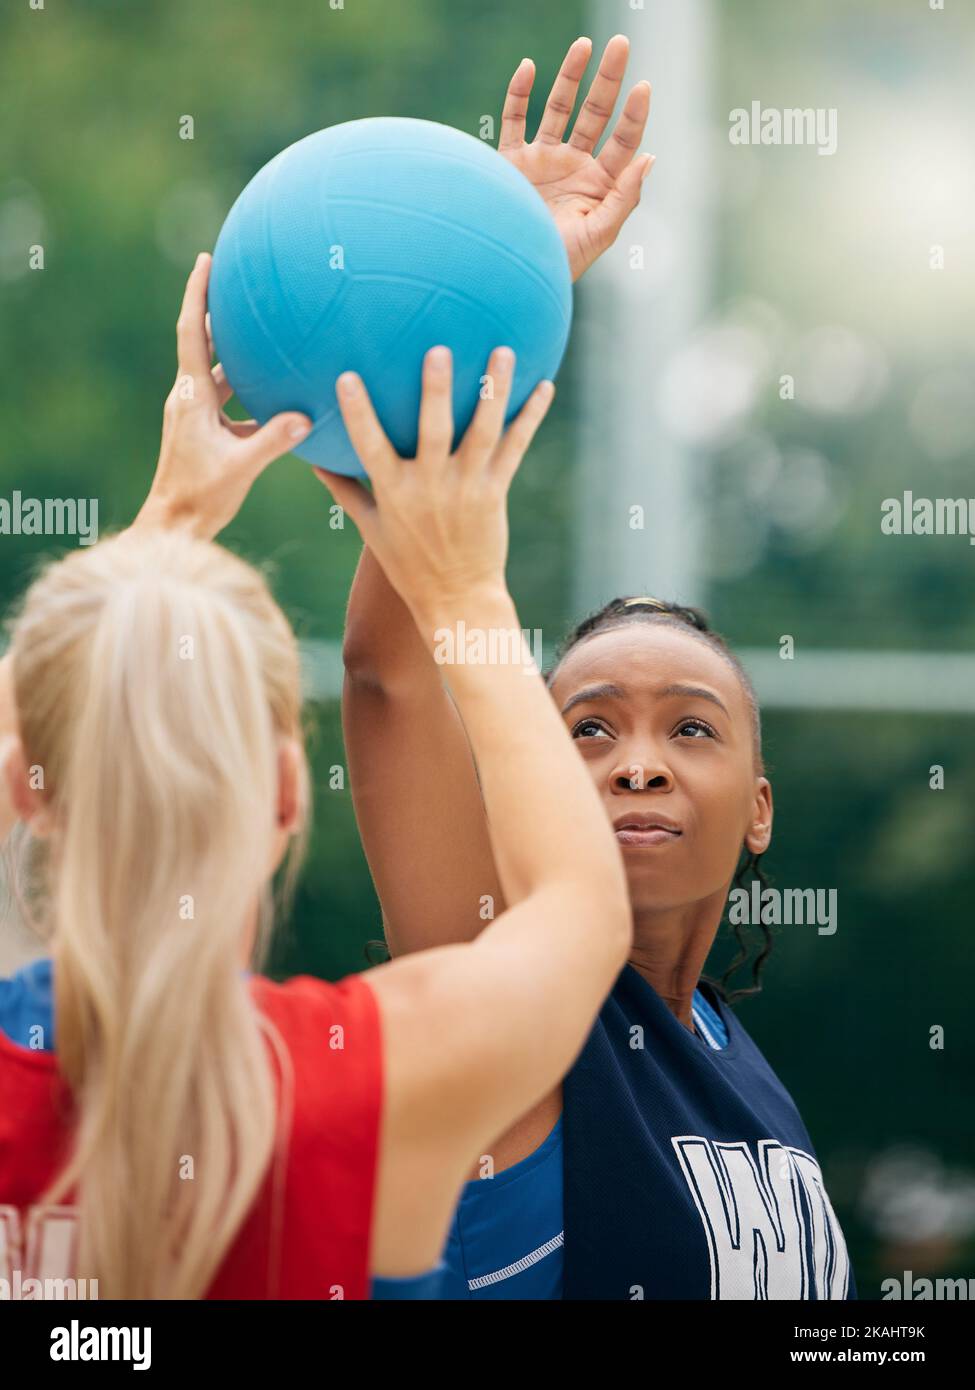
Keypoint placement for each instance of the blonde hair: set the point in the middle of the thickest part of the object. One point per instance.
(154, 676)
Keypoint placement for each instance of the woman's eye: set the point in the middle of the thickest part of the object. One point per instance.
(589, 728)
(698, 725)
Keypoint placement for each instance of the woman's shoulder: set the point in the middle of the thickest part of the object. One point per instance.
(326, 1045)
(320, 1014)
(311, 993)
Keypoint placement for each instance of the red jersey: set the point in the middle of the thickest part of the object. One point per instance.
(307, 1234)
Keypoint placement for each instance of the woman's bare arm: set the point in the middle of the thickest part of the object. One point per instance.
(473, 1035)
(417, 800)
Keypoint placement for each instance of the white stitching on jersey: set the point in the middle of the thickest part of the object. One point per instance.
(484, 1280)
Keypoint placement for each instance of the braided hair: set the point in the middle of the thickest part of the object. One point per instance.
(620, 612)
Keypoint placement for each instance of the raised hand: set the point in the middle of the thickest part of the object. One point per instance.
(590, 197)
(437, 524)
(207, 462)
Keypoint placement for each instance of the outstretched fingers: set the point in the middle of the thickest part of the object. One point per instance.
(435, 433)
(627, 134)
(487, 422)
(515, 109)
(521, 432)
(367, 436)
(598, 106)
(192, 347)
(562, 97)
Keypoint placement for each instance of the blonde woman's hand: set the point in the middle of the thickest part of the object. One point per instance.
(438, 523)
(208, 462)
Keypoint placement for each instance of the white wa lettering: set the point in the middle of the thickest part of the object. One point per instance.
(752, 1219)
(830, 1261)
(46, 1250)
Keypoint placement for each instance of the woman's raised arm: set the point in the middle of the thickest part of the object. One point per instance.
(405, 741)
(474, 1035)
(407, 748)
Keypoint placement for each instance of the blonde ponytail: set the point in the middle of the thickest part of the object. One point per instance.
(154, 676)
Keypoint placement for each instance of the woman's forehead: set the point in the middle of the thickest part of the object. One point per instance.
(640, 656)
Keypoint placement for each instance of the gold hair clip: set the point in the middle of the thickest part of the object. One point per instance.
(646, 598)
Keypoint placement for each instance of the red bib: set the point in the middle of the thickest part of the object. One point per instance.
(307, 1234)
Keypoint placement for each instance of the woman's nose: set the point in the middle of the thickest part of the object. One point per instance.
(638, 776)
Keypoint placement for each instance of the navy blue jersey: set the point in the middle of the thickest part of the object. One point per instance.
(689, 1173)
(506, 1238)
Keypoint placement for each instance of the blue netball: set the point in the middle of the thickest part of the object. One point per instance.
(362, 246)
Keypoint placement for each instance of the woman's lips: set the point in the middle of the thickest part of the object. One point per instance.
(635, 837)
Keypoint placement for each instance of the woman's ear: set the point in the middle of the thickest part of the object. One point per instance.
(291, 804)
(21, 798)
(759, 834)
(290, 807)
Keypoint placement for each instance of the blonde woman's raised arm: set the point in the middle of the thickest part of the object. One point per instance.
(475, 1034)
